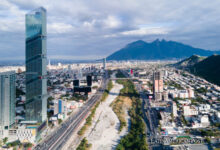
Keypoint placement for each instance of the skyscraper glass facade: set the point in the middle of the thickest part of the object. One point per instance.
(36, 62)
(7, 99)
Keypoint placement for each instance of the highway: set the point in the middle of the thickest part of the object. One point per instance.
(151, 130)
(59, 137)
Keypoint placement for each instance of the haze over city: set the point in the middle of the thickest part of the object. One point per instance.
(95, 29)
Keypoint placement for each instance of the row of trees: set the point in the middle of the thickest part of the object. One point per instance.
(84, 145)
(136, 138)
(117, 107)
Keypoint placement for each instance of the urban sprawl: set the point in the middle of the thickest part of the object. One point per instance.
(60, 106)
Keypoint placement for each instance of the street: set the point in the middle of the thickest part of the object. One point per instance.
(59, 137)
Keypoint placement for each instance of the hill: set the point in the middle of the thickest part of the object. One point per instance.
(189, 62)
(208, 69)
(157, 50)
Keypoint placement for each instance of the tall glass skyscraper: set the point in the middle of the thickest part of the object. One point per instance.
(36, 62)
(7, 99)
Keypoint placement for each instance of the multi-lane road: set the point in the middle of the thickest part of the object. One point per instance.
(59, 137)
(151, 121)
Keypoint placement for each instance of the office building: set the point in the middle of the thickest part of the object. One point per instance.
(36, 65)
(158, 82)
(104, 63)
(75, 83)
(7, 99)
(89, 80)
(158, 85)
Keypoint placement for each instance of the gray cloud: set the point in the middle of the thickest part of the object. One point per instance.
(94, 29)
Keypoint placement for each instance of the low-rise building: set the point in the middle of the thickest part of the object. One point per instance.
(183, 94)
(190, 111)
(204, 108)
(185, 102)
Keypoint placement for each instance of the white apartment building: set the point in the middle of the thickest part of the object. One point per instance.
(185, 102)
(189, 111)
(183, 94)
(201, 122)
(204, 107)
(204, 120)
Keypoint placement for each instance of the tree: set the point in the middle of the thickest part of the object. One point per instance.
(59, 121)
(208, 140)
(5, 140)
(28, 145)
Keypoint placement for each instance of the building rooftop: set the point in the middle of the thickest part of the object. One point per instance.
(37, 10)
(7, 73)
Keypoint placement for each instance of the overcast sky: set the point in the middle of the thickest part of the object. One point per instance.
(91, 29)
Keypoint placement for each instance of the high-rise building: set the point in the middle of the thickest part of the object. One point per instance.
(104, 63)
(36, 66)
(76, 83)
(158, 85)
(89, 80)
(7, 99)
(158, 82)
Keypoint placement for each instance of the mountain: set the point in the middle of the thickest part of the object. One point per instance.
(208, 69)
(157, 50)
(189, 62)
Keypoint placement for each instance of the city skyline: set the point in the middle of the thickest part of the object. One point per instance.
(159, 90)
(108, 27)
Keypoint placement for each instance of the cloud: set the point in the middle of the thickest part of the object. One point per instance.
(60, 28)
(140, 32)
(80, 29)
(112, 22)
(145, 31)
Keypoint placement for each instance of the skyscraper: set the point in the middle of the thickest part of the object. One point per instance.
(36, 63)
(158, 82)
(104, 63)
(7, 99)
(158, 85)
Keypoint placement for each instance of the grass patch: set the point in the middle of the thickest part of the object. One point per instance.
(118, 108)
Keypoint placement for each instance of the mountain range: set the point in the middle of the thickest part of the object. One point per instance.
(158, 50)
(189, 62)
(208, 69)
(205, 67)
